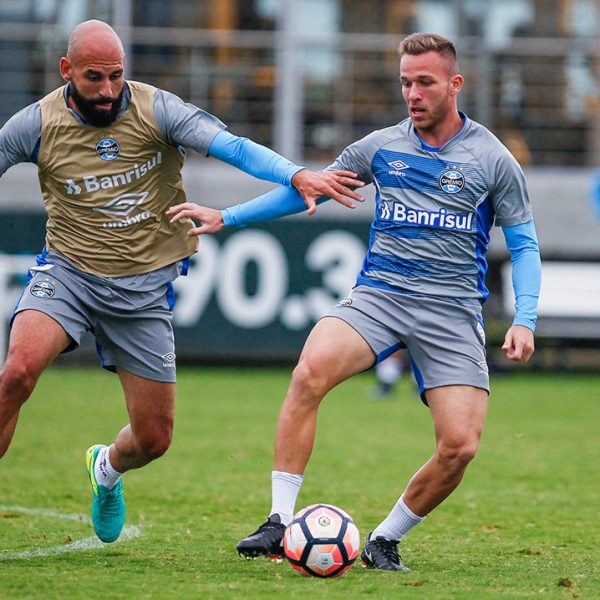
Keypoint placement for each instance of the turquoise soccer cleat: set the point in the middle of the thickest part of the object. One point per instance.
(108, 506)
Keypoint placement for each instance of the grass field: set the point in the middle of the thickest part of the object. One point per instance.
(524, 523)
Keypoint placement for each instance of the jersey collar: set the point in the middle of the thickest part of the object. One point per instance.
(425, 146)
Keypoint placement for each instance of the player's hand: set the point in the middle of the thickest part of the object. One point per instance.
(210, 219)
(518, 343)
(337, 185)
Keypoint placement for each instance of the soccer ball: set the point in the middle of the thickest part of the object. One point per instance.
(321, 541)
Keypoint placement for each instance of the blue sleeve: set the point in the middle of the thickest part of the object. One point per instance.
(252, 158)
(522, 244)
(280, 202)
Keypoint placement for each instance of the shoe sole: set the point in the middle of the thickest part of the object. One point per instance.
(365, 565)
(368, 565)
(254, 554)
(89, 464)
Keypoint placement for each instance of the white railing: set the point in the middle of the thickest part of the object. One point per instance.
(263, 85)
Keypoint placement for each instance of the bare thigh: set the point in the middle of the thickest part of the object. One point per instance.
(35, 341)
(458, 413)
(335, 351)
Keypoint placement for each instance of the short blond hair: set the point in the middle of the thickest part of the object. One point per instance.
(420, 43)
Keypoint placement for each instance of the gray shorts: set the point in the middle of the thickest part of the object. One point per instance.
(444, 337)
(133, 329)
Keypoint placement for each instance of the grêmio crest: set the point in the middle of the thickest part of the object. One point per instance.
(452, 180)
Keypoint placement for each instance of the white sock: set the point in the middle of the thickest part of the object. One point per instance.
(398, 523)
(104, 472)
(284, 491)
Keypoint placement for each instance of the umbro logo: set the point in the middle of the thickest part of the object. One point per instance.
(168, 359)
(122, 205)
(398, 167)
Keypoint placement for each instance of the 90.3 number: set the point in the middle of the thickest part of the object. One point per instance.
(221, 270)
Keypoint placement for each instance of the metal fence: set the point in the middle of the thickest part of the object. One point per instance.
(310, 94)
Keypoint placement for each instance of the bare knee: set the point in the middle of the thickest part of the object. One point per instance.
(153, 444)
(17, 382)
(455, 455)
(310, 382)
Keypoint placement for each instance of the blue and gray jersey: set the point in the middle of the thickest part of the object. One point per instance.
(435, 207)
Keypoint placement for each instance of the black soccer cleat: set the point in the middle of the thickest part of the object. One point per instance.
(267, 540)
(382, 554)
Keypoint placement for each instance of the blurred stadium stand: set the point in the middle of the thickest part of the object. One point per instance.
(310, 76)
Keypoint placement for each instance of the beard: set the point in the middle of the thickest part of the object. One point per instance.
(90, 112)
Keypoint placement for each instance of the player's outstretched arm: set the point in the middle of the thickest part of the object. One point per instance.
(337, 185)
(186, 125)
(518, 344)
(279, 202)
(264, 163)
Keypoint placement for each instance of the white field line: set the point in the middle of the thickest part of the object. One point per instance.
(129, 532)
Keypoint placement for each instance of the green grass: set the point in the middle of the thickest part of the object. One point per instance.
(524, 523)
